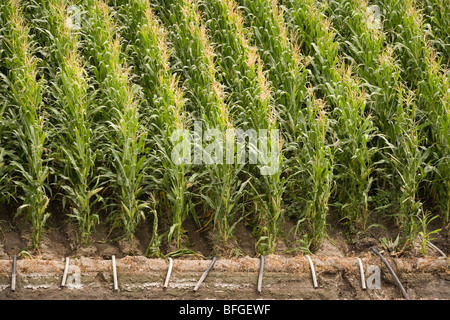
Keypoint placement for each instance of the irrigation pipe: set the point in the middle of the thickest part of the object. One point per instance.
(205, 274)
(13, 277)
(116, 287)
(313, 272)
(169, 271)
(66, 268)
(391, 272)
(443, 255)
(260, 276)
(361, 271)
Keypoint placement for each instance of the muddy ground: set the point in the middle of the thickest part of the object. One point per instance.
(287, 274)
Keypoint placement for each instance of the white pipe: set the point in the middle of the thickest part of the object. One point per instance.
(13, 278)
(116, 287)
(66, 268)
(361, 271)
(169, 271)
(443, 255)
(313, 272)
(261, 269)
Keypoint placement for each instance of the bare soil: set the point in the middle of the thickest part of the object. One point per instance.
(287, 274)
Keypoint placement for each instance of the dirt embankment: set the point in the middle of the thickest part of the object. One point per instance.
(286, 275)
(283, 278)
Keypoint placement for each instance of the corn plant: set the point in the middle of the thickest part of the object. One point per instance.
(314, 167)
(3, 120)
(423, 70)
(8, 190)
(362, 46)
(402, 152)
(285, 67)
(353, 128)
(425, 234)
(195, 63)
(410, 160)
(224, 25)
(437, 15)
(164, 105)
(26, 104)
(250, 95)
(287, 72)
(272, 105)
(72, 112)
(3, 168)
(125, 163)
(271, 182)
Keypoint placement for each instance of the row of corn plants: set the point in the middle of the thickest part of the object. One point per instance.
(363, 115)
(71, 114)
(402, 166)
(314, 165)
(3, 168)
(353, 128)
(308, 180)
(436, 15)
(122, 147)
(146, 41)
(4, 184)
(425, 73)
(250, 94)
(28, 158)
(221, 188)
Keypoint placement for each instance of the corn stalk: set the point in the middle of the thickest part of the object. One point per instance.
(401, 145)
(250, 96)
(426, 74)
(314, 169)
(5, 184)
(436, 15)
(205, 100)
(353, 128)
(72, 112)
(26, 105)
(124, 149)
(164, 106)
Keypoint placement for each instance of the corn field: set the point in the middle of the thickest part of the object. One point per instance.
(96, 95)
